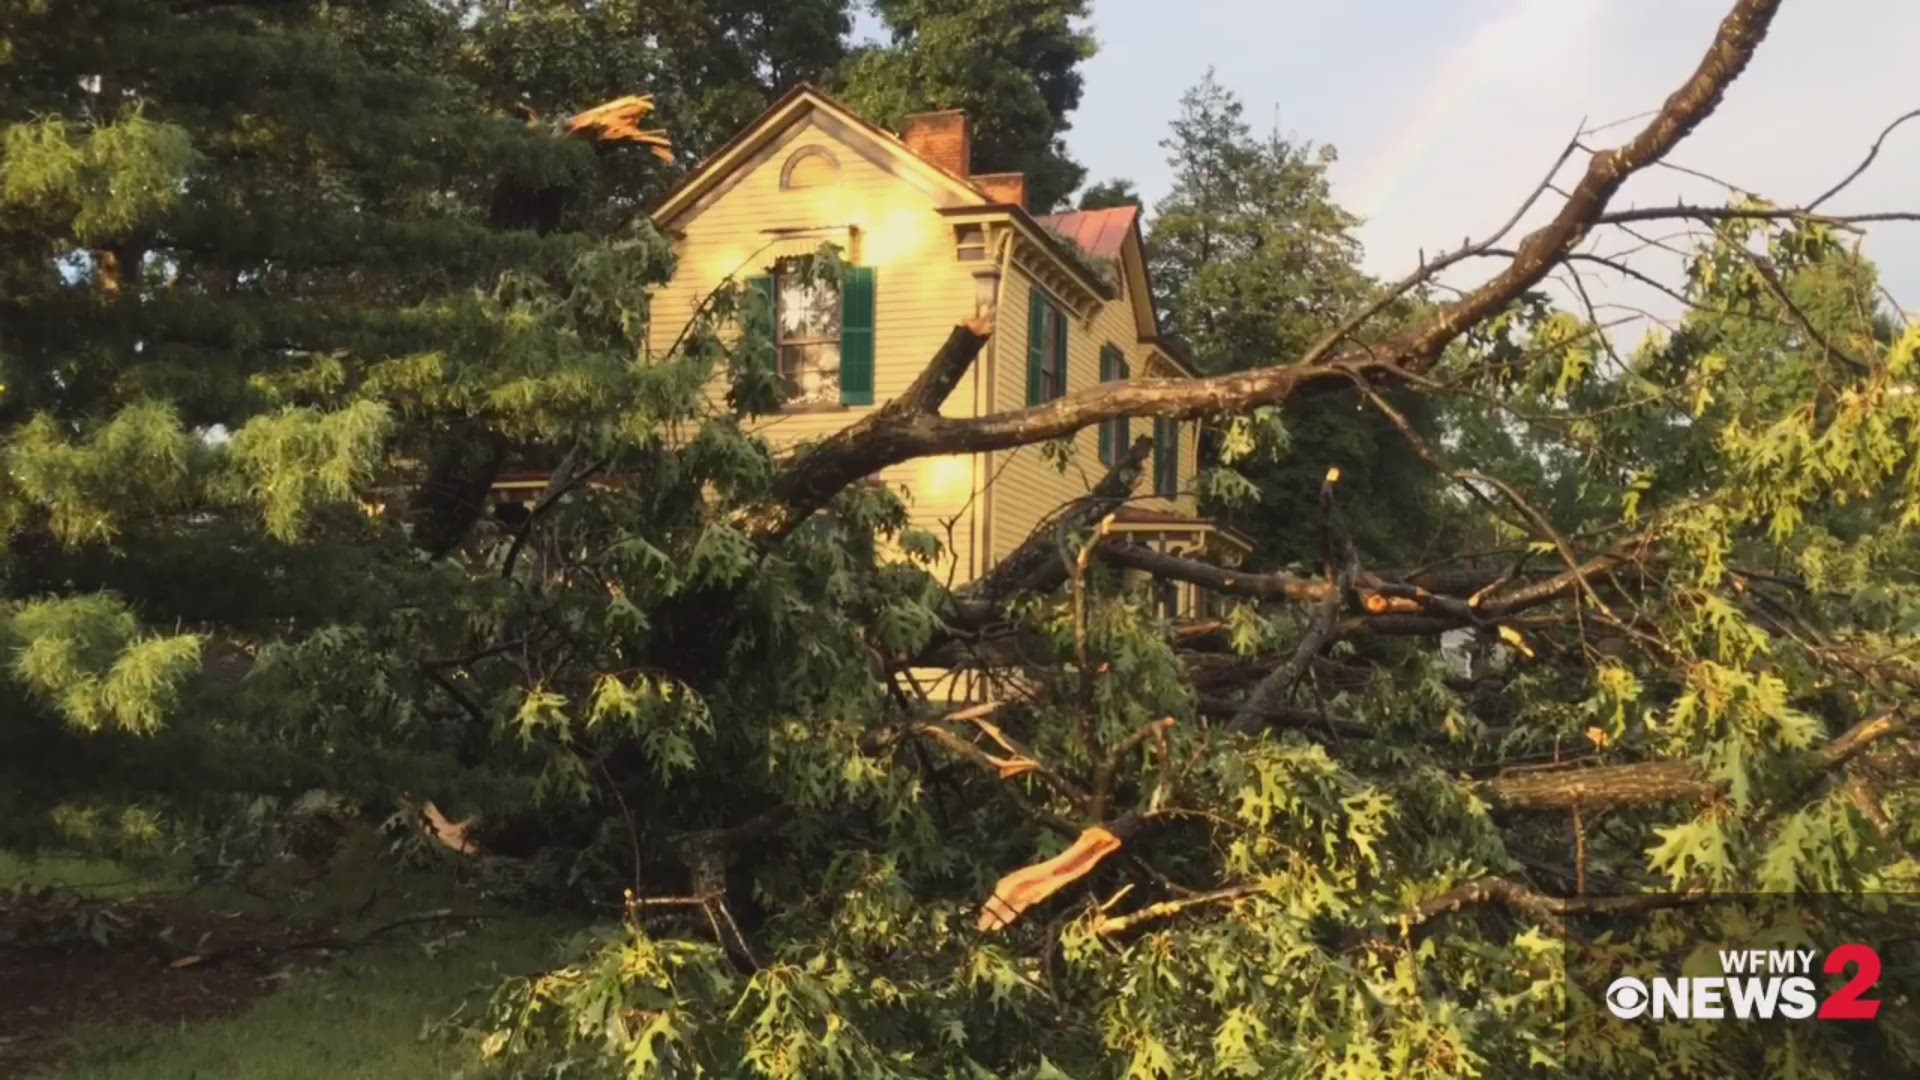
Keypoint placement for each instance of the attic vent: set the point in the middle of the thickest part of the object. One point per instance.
(970, 243)
(810, 167)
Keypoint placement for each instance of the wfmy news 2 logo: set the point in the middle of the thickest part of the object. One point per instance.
(1757, 984)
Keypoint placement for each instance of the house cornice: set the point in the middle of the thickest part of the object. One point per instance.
(787, 110)
(1040, 253)
(1173, 352)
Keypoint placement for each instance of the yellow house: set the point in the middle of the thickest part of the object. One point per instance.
(927, 243)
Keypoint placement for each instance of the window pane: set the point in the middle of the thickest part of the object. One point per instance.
(809, 310)
(811, 373)
(1053, 369)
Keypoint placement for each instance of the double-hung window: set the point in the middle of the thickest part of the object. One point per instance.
(806, 333)
(1114, 436)
(822, 332)
(1046, 349)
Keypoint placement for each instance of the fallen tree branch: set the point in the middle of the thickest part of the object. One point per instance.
(1650, 783)
(567, 476)
(1524, 901)
(1711, 214)
(1167, 909)
(1035, 565)
(329, 943)
(865, 447)
(1426, 605)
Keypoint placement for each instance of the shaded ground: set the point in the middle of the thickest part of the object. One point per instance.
(66, 979)
(138, 977)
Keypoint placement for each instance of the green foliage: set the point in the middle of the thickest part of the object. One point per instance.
(298, 459)
(1012, 65)
(86, 656)
(100, 184)
(1253, 262)
(139, 462)
(1107, 194)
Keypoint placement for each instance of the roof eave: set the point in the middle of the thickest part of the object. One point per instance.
(1053, 244)
(676, 200)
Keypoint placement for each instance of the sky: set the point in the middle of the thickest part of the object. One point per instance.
(1446, 113)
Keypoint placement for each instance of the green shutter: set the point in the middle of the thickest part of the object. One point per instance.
(1173, 458)
(1036, 343)
(1166, 457)
(1123, 427)
(1059, 354)
(856, 335)
(766, 336)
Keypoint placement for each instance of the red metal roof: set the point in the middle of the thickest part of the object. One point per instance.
(1099, 233)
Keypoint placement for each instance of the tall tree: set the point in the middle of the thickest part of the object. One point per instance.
(1254, 261)
(1107, 194)
(1013, 65)
(267, 271)
(1254, 257)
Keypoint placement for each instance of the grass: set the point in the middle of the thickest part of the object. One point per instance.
(364, 1018)
(99, 879)
(373, 1012)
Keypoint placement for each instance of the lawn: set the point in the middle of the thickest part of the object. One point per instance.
(390, 1008)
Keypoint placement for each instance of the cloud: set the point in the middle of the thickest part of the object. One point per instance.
(1478, 131)
(1534, 43)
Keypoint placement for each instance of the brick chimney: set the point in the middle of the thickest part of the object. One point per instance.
(942, 139)
(1003, 187)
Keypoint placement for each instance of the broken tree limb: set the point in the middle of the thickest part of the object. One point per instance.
(1105, 927)
(1650, 783)
(1538, 905)
(1029, 885)
(1429, 604)
(881, 438)
(1035, 565)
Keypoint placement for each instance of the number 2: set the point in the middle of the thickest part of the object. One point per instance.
(1845, 1004)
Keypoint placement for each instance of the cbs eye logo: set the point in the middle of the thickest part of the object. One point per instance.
(1627, 997)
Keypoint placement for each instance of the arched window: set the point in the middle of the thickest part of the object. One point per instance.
(809, 167)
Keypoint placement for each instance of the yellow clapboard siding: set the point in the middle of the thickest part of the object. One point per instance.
(1029, 487)
(921, 291)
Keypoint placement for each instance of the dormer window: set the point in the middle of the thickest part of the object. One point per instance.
(970, 243)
